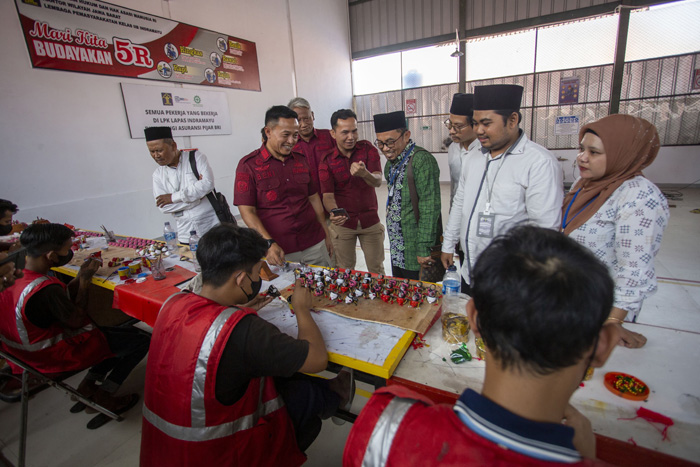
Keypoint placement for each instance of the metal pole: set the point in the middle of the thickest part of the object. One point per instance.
(25, 414)
(534, 89)
(463, 46)
(619, 63)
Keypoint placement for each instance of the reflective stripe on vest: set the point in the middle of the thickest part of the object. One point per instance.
(22, 332)
(199, 431)
(21, 329)
(384, 432)
(200, 370)
(207, 433)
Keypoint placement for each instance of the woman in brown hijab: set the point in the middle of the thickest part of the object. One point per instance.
(617, 213)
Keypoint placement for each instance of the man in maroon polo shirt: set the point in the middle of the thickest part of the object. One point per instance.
(348, 175)
(313, 143)
(278, 197)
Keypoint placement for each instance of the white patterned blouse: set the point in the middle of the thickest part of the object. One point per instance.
(626, 235)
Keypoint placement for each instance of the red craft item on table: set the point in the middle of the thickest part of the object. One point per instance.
(653, 417)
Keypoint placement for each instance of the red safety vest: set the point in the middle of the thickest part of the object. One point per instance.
(52, 350)
(399, 427)
(183, 423)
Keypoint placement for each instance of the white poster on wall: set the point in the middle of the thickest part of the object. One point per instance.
(566, 125)
(188, 112)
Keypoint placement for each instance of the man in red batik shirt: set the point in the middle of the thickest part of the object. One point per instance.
(313, 143)
(277, 195)
(348, 175)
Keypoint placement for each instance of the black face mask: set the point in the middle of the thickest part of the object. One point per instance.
(64, 259)
(254, 288)
(5, 229)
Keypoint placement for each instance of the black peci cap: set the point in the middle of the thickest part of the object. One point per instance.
(498, 97)
(391, 121)
(158, 132)
(462, 104)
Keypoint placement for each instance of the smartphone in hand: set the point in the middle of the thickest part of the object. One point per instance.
(339, 212)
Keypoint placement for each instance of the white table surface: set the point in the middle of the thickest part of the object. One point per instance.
(668, 364)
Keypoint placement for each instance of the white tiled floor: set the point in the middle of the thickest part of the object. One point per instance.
(58, 438)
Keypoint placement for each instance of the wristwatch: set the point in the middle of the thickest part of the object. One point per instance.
(270, 241)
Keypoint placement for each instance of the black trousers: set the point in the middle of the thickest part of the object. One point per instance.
(465, 287)
(308, 400)
(404, 273)
(129, 345)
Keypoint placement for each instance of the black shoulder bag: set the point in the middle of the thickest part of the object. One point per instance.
(217, 200)
(436, 272)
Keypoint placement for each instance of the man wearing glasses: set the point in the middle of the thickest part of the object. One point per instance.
(463, 140)
(313, 143)
(411, 234)
(462, 135)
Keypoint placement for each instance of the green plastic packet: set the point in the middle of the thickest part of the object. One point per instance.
(461, 354)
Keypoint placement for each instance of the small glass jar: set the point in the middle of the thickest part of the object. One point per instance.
(455, 325)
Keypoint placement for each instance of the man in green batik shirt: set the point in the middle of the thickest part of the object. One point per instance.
(409, 241)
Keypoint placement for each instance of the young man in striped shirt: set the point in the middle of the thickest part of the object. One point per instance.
(541, 335)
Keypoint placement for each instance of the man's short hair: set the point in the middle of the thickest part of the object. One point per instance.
(507, 113)
(6, 205)
(541, 298)
(274, 113)
(342, 114)
(300, 103)
(227, 248)
(39, 239)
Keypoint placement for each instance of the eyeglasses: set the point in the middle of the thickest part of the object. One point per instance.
(449, 125)
(390, 142)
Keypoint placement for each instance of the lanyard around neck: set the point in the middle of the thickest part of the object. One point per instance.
(565, 222)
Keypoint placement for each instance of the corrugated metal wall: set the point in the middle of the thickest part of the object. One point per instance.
(379, 23)
(659, 90)
(383, 23)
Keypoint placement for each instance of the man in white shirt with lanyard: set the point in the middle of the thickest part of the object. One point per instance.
(176, 188)
(460, 126)
(507, 181)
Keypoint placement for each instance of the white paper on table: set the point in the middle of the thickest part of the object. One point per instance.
(361, 340)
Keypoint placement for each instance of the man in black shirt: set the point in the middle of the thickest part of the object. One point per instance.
(254, 349)
(53, 331)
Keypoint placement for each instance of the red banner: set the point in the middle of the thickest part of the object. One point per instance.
(91, 36)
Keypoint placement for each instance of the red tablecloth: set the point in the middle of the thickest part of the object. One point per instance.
(143, 301)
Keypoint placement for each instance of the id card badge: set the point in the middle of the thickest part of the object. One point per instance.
(485, 225)
(178, 213)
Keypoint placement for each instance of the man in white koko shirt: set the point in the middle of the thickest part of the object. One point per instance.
(176, 188)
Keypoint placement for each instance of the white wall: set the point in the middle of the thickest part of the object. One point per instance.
(675, 165)
(66, 151)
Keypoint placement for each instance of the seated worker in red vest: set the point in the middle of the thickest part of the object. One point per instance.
(45, 323)
(539, 302)
(222, 386)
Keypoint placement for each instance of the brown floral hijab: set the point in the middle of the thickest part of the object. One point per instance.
(631, 144)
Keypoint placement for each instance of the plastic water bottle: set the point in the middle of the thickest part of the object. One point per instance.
(170, 237)
(452, 281)
(194, 241)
